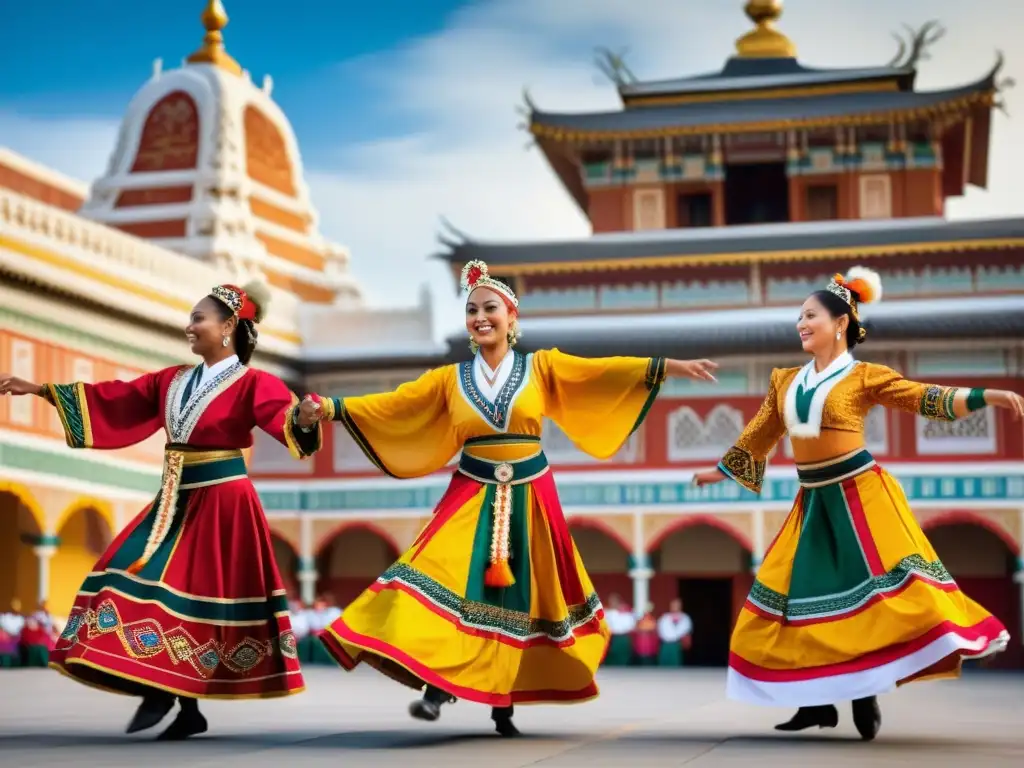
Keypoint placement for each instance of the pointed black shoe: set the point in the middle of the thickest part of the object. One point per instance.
(151, 711)
(189, 722)
(824, 716)
(867, 716)
(502, 717)
(429, 707)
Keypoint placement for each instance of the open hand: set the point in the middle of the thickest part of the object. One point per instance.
(310, 412)
(12, 385)
(701, 370)
(708, 477)
(1001, 398)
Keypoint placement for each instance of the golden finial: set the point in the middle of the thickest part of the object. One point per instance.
(214, 19)
(765, 41)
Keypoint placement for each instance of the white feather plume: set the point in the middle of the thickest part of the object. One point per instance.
(869, 276)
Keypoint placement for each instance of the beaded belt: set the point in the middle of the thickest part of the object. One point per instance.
(503, 473)
(835, 470)
(186, 469)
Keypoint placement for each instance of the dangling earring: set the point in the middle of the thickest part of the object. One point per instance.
(513, 333)
(473, 346)
(224, 341)
(839, 335)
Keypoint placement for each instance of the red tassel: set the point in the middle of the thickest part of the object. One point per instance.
(499, 575)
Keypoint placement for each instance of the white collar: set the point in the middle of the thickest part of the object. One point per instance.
(813, 377)
(487, 369)
(818, 386)
(211, 371)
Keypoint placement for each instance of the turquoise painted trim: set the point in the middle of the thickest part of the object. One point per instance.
(76, 467)
(72, 336)
(961, 488)
(46, 540)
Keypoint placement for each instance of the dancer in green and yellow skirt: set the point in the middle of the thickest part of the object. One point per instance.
(492, 603)
(851, 599)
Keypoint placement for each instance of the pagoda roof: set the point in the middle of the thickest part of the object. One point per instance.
(788, 241)
(756, 113)
(765, 330)
(758, 74)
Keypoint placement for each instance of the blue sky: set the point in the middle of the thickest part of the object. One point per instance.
(405, 110)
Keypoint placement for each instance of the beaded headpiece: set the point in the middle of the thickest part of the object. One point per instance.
(237, 300)
(474, 275)
(859, 286)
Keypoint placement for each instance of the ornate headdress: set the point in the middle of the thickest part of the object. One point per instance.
(474, 275)
(247, 303)
(859, 286)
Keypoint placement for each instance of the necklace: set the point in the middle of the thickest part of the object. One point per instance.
(491, 380)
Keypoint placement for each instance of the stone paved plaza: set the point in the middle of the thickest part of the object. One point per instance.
(644, 718)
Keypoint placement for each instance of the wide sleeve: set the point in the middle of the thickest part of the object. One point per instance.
(109, 414)
(746, 461)
(597, 402)
(889, 389)
(405, 433)
(276, 412)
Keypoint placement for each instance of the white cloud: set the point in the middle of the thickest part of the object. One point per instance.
(467, 161)
(465, 158)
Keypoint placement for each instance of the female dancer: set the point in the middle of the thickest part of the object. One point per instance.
(492, 603)
(187, 601)
(850, 600)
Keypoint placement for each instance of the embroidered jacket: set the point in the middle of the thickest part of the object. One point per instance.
(803, 402)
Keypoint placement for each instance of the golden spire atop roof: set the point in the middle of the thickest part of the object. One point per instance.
(765, 41)
(214, 19)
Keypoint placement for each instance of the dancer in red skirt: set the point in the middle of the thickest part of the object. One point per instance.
(187, 602)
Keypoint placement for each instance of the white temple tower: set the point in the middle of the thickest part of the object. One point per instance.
(208, 165)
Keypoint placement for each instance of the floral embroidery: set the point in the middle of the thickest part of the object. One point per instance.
(147, 638)
(937, 403)
(742, 467)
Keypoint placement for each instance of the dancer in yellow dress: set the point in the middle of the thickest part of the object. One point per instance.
(851, 599)
(492, 603)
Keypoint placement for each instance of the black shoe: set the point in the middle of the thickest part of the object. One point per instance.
(502, 717)
(824, 716)
(429, 707)
(867, 716)
(151, 711)
(186, 724)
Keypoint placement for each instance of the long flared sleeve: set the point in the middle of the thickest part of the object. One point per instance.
(405, 433)
(746, 461)
(109, 414)
(276, 412)
(598, 402)
(889, 389)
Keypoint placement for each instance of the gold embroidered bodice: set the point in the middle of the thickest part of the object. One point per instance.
(842, 417)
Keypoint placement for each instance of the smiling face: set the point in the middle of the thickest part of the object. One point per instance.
(487, 317)
(209, 322)
(818, 329)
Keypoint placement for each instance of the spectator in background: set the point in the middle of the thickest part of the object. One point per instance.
(300, 626)
(621, 623)
(675, 630)
(645, 639)
(11, 625)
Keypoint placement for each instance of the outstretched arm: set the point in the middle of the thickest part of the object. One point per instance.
(890, 389)
(747, 460)
(106, 415)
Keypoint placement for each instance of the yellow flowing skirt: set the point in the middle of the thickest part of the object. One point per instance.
(432, 617)
(851, 599)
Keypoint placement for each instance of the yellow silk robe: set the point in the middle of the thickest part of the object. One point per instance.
(436, 616)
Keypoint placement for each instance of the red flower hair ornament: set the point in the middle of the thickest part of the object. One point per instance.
(474, 275)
